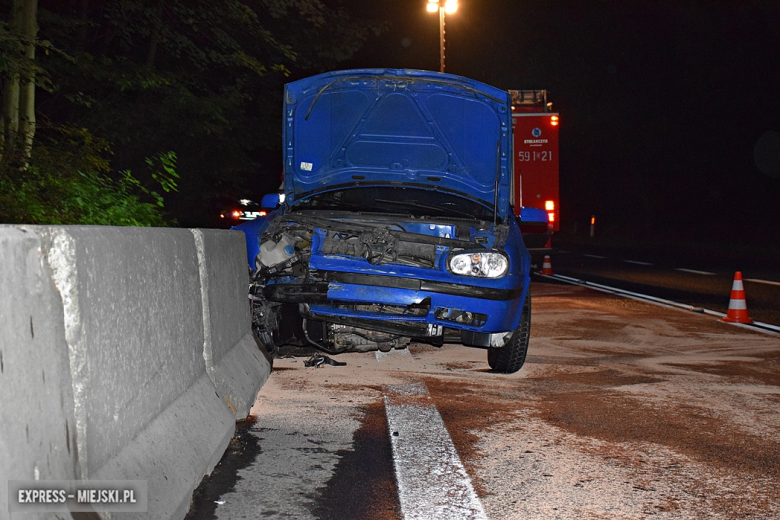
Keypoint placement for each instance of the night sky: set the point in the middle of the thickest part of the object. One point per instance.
(662, 103)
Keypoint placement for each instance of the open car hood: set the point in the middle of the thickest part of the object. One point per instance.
(388, 126)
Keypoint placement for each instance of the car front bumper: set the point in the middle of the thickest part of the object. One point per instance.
(403, 305)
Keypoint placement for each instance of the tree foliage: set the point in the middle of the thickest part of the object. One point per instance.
(199, 78)
(68, 181)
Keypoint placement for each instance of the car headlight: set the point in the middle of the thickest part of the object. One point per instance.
(483, 264)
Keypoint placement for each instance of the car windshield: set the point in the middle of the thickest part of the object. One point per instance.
(395, 199)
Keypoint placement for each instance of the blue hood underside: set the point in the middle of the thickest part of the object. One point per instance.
(383, 126)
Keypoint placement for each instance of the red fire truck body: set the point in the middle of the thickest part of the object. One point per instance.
(535, 130)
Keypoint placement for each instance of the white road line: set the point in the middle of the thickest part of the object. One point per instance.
(637, 262)
(768, 282)
(595, 256)
(694, 271)
(432, 482)
(756, 326)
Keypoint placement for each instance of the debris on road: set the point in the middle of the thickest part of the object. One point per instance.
(317, 360)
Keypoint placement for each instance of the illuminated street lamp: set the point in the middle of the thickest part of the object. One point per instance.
(443, 6)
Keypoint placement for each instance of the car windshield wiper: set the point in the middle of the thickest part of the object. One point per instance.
(416, 204)
(331, 207)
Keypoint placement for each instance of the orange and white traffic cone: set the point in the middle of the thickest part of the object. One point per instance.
(737, 312)
(546, 266)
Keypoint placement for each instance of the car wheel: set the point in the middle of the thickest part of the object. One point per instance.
(511, 357)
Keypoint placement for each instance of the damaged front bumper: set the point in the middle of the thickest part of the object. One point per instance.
(345, 303)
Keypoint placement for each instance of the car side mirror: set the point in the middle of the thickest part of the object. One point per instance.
(535, 215)
(271, 200)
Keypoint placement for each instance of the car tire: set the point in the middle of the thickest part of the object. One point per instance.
(511, 357)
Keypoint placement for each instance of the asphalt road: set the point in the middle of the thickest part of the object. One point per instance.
(623, 410)
(698, 282)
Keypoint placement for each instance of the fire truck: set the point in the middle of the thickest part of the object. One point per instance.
(535, 187)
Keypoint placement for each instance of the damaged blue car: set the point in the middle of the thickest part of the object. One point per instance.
(396, 225)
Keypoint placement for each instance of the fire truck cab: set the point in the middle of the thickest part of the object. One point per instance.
(535, 187)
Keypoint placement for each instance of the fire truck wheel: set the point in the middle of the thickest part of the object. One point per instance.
(511, 357)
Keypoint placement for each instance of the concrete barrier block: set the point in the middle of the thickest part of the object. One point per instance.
(240, 374)
(175, 451)
(237, 365)
(37, 424)
(134, 327)
(119, 351)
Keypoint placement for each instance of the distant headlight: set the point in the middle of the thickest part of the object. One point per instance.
(483, 264)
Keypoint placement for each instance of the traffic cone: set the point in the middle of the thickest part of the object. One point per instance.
(737, 312)
(546, 266)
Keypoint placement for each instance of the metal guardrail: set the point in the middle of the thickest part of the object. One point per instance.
(757, 326)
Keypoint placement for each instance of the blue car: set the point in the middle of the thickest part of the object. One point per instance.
(396, 224)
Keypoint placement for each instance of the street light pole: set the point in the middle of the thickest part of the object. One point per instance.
(444, 7)
(441, 38)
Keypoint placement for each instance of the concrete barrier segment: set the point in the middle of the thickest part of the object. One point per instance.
(237, 365)
(38, 438)
(134, 327)
(180, 446)
(58, 252)
(132, 315)
(115, 343)
(240, 374)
